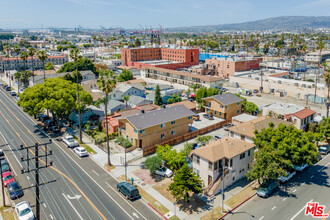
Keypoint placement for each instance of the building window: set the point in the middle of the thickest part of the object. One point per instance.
(242, 156)
(238, 103)
(215, 112)
(127, 137)
(231, 162)
(215, 166)
(131, 140)
(162, 125)
(135, 131)
(142, 131)
(173, 122)
(221, 106)
(242, 137)
(198, 159)
(220, 113)
(249, 153)
(237, 110)
(190, 117)
(226, 106)
(162, 136)
(210, 165)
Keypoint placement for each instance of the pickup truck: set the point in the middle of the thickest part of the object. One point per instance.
(70, 141)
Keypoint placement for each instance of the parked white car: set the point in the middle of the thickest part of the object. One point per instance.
(70, 141)
(163, 171)
(24, 211)
(284, 179)
(300, 168)
(81, 152)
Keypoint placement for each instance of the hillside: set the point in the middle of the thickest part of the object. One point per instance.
(277, 23)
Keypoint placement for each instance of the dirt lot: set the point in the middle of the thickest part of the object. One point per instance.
(241, 196)
(147, 177)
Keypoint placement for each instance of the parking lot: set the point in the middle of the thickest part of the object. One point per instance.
(203, 122)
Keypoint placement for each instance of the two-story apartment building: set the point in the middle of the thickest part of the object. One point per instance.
(209, 161)
(126, 90)
(245, 131)
(223, 106)
(301, 118)
(151, 128)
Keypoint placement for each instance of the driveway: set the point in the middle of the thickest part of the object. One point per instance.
(203, 122)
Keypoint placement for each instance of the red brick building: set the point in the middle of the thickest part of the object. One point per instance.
(227, 67)
(163, 57)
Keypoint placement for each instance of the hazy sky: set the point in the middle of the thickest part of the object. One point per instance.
(131, 13)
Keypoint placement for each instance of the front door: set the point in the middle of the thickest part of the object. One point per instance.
(209, 180)
(140, 143)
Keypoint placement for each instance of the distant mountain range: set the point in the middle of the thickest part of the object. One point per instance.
(277, 23)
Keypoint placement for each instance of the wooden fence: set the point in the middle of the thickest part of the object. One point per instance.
(185, 137)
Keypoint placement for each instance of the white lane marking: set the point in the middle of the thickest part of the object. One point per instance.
(72, 206)
(294, 190)
(324, 167)
(273, 208)
(95, 172)
(284, 199)
(300, 211)
(51, 216)
(45, 205)
(28, 177)
(134, 214)
(312, 176)
(261, 217)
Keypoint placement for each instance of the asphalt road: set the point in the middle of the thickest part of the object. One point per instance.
(289, 202)
(82, 190)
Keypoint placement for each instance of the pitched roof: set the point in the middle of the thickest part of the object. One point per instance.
(125, 87)
(136, 100)
(156, 117)
(223, 148)
(226, 99)
(187, 103)
(248, 128)
(304, 113)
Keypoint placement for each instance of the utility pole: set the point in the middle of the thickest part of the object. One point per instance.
(261, 87)
(2, 188)
(36, 159)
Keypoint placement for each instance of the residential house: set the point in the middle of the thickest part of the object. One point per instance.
(113, 106)
(151, 96)
(209, 161)
(113, 120)
(301, 118)
(189, 104)
(239, 119)
(126, 90)
(86, 75)
(91, 87)
(134, 101)
(154, 127)
(245, 131)
(223, 106)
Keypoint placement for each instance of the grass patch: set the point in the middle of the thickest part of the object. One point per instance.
(213, 215)
(241, 196)
(109, 167)
(152, 201)
(7, 213)
(88, 148)
(174, 218)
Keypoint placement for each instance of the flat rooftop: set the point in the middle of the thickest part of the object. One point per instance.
(158, 62)
(283, 108)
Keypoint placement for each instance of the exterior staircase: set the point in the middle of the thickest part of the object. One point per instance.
(215, 184)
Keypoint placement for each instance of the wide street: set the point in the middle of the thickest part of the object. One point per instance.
(82, 190)
(288, 203)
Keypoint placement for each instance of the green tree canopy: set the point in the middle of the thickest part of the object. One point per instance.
(153, 163)
(83, 64)
(57, 95)
(125, 75)
(49, 66)
(185, 183)
(203, 139)
(203, 92)
(170, 156)
(158, 98)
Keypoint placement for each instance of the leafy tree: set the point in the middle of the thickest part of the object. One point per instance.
(170, 156)
(56, 95)
(186, 149)
(185, 183)
(158, 98)
(153, 163)
(325, 128)
(279, 149)
(203, 92)
(83, 64)
(203, 139)
(42, 56)
(250, 107)
(49, 66)
(137, 42)
(73, 77)
(125, 75)
(176, 98)
(170, 101)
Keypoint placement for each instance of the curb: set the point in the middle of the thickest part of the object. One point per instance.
(238, 206)
(157, 210)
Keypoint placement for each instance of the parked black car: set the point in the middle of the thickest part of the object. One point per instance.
(5, 166)
(55, 129)
(128, 190)
(8, 88)
(42, 117)
(207, 116)
(15, 190)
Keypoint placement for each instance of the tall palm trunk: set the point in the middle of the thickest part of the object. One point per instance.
(32, 71)
(317, 75)
(18, 77)
(79, 113)
(43, 67)
(107, 129)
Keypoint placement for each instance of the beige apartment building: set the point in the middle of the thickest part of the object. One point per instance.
(236, 155)
(223, 106)
(150, 128)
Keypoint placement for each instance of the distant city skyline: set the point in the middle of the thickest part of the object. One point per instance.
(133, 13)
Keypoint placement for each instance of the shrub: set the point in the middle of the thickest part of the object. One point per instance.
(100, 137)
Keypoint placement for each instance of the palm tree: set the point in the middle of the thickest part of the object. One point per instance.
(320, 46)
(7, 50)
(326, 76)
(17, 77)
(17, 49)
(126, 98)
(74, 55)
(106, 83)
(24, 55)
(31, 52)
(42, 56)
